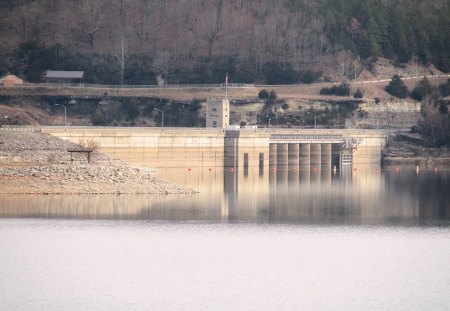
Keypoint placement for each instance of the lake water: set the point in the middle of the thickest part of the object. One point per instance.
(363, 239)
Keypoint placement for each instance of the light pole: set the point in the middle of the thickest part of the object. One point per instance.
(71, 102)
(65, 113)
(162, 116)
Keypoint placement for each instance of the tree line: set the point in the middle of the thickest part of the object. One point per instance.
(197, 41)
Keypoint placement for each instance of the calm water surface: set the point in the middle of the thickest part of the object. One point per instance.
(365, 239)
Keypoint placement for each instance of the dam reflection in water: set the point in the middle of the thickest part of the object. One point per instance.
(283, 194)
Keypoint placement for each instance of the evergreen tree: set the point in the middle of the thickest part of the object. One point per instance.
(422, 89)
(397, 87)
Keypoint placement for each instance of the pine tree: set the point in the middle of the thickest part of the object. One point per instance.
(422, 89)
(397, 87)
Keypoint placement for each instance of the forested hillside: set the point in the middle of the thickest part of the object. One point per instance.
(198, 41)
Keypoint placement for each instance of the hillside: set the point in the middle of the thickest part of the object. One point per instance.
(293, 105)
(196, 41)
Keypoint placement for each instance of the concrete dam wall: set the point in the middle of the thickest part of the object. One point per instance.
(237, 148)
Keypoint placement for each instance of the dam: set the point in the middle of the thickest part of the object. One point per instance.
(235, 148)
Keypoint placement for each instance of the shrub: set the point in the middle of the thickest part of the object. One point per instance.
(397, 87)
(326, 91)
(310, 76)
(131, 110)
(358, 94)
(445, 88)
(263, 94)
(343, 90)
(340, 90)
(443, 108)
(277, 73)
(100, 117)
(195, 105)
(272, 95)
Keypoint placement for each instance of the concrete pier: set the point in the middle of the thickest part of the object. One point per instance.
(316, 153)
(273, 155)
(293, 155)
(282, 154)
(326, 156)
(305, 154)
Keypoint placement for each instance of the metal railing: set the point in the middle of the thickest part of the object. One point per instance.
(150, 86)
(20, 128)
(149, 129)
(306, 137)
(272, 130)
(208, 86)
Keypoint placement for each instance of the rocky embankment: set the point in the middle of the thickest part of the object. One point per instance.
(408, 149)
(36, 163)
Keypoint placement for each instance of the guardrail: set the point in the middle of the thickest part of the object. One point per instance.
(115, 128)
(207, 86)
(306, 137)
(105, 86)
(20, 128)
(272, 130)
(324, 131)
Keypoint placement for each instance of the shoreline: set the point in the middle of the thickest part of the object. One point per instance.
(39, 164)
(410, 149)
(36, 163)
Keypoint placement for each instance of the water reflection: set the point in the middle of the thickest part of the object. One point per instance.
(283, 194)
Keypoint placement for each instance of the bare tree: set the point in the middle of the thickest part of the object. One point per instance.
(344, 63)
(93, 13)
(162, 64)
(208, 26)
(30, 24)
(126, 35)
(121, 54)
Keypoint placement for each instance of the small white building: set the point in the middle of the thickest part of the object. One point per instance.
(218, 113)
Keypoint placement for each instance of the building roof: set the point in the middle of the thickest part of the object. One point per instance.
(64, 74)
